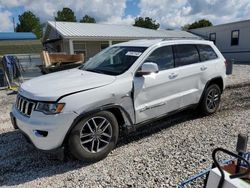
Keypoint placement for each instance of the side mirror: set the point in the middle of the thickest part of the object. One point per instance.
(148, 68)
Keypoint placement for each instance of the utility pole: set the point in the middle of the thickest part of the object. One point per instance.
(14, 25)
(54, 13)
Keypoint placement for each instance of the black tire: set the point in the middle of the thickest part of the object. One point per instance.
(211, 100)
(85, 151)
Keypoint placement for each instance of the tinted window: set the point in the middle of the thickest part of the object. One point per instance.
(185, 54)
(206, 52)
(163, 57)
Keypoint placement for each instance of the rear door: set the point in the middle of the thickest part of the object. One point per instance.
(209, 61)
(190, 68)
(158, 93)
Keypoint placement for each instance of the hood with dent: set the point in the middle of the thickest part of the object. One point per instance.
(52, 86)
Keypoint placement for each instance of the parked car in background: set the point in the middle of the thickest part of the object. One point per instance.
(120, 88)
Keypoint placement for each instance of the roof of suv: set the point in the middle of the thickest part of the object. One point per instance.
(150, 42)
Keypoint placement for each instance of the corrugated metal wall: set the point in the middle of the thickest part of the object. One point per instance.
(20, 47)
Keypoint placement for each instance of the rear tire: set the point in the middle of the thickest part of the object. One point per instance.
(93, 137)
(211, 100)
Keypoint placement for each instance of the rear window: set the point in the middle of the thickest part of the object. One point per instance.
(185, 54)
(206, 52)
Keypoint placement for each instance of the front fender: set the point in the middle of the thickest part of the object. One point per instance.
(127, 119)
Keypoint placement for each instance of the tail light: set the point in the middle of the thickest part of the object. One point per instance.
(229, 66)
(226, 63)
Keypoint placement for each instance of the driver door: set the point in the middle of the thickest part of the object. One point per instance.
(157, 94)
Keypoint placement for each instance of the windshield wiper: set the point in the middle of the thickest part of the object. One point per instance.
(92, 70)
(95, 70)
(102, 71)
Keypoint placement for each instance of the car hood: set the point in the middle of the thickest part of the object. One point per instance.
(52, 86)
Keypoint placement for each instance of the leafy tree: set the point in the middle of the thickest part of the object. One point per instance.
(185, 27)
(66, 15)
(197, 24)
(87, 19)
(29, 22)
(146, 23)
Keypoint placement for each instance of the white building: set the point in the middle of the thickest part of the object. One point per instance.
(232, 39)
(89, 38)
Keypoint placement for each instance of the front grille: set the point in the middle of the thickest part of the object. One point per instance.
(24, 105)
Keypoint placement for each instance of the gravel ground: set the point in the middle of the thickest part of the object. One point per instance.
(159, 155)
(241, 75)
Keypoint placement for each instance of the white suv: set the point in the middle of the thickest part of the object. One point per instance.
(122, 87)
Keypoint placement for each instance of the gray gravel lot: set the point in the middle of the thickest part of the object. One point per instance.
(158, 155)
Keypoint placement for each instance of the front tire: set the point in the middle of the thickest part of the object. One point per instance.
(211, 100)
(93, 137)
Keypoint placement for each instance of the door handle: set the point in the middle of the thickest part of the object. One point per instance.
(203, 68)
(172, 75)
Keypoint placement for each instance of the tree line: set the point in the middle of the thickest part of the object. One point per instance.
(29, 22)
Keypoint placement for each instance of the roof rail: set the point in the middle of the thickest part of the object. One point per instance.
(182, 38)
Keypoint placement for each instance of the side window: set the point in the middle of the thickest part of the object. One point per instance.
(185, 54)
(212, 37)
(206, 52)
(163, 57)
(235, 38)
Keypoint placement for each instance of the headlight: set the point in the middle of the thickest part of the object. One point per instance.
(50, 108)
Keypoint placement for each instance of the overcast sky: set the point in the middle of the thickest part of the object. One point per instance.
(169, 13)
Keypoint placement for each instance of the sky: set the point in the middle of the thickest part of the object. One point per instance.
(171, 14)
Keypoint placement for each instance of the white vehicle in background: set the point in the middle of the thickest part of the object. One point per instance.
(120, 88)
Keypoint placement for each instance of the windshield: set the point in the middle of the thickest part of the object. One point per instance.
(114, 60)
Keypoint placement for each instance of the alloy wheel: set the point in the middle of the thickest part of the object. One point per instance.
(95, 134)
(213, 98)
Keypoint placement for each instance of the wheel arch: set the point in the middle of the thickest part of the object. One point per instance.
(122, 116)
(217, 80)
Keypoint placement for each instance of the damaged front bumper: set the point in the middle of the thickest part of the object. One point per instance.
(45, 132)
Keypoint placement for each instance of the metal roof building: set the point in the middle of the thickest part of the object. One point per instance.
(17, 36)
(89, 38)
(232, 39)
(19, 43)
